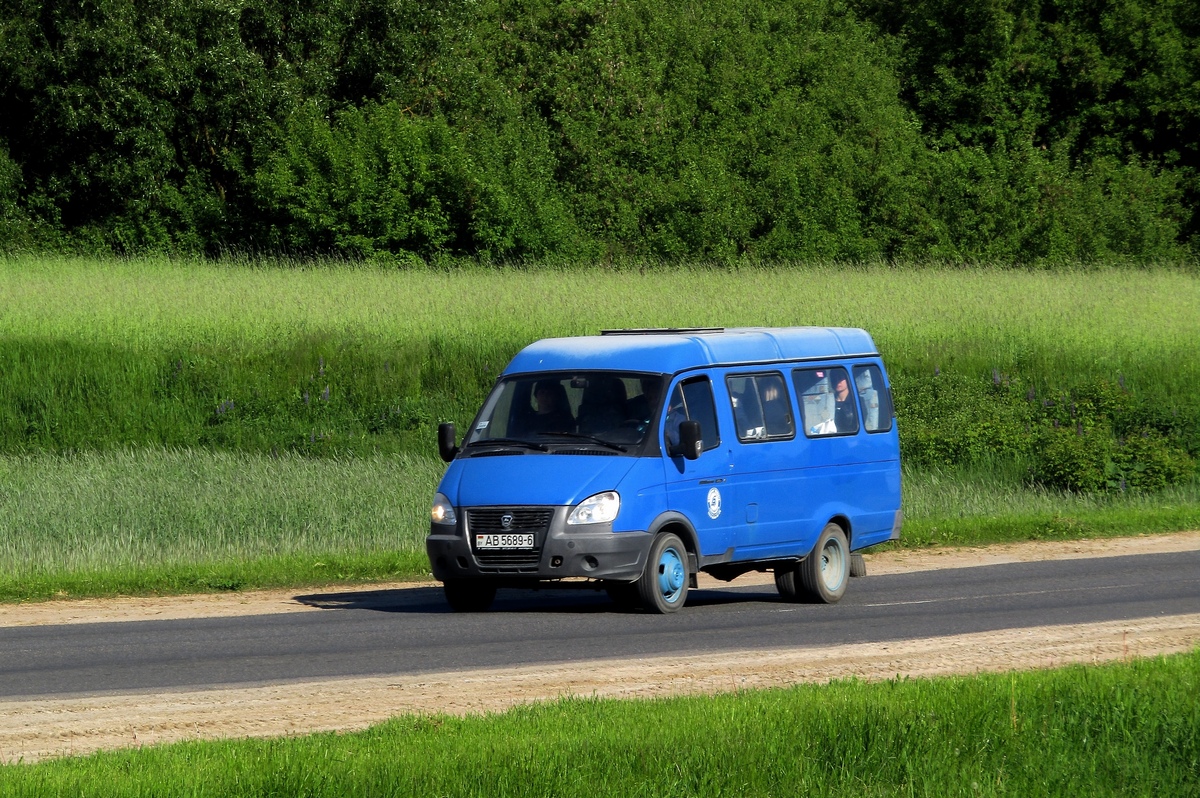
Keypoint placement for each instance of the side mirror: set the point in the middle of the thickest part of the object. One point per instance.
(690, 444)
(446, 447)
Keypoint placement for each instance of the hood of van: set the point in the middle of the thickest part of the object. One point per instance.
(547, 479)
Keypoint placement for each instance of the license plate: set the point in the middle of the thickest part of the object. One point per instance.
(519, 540)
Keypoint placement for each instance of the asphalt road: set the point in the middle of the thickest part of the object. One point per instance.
(413, 631)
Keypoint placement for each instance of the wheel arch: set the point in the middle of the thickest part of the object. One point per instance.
(843, 521)
(681, 526)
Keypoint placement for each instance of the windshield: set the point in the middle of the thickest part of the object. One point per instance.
(608, 410)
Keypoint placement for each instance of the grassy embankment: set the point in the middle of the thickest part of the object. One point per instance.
(133, 521)
(1123, 729)
(186, 426)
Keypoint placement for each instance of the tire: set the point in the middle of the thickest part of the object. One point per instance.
(820, 578)
(469, 595)
(858, 566)
(624, 594)
(664, 584)
(785, 582)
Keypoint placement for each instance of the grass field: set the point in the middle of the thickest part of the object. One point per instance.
(340, 358)
(1127, 729)
(171, 521)
(174, 426)
(177, 521)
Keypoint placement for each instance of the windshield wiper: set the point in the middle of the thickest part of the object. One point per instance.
(590, 438)
(541, 447)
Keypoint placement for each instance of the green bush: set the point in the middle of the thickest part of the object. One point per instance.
(1073, 459)
(1093, 460)
(15, 233)
(1018, 203)
(953, 419)
(377, 181)
(1092, 100)
(1147, 462)
(1020, 131)
(1094, 437)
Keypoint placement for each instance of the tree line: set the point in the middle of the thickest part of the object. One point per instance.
(1013, 131)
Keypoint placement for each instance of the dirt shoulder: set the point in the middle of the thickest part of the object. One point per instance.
(37, 729)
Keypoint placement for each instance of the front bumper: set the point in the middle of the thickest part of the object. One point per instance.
(560, 551)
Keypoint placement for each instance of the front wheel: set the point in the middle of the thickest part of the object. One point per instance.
(469, 595)
(821, 577)
(664, 584)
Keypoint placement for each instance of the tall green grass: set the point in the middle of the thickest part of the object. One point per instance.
(171, 521)
(975, 506)
(137, 521)
(1126, 729)
(319, 360)
(966, 318)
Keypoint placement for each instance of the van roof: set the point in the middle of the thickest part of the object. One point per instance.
(670, 351)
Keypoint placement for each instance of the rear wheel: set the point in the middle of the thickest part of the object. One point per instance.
(469, 595)
(821, 577)
(664, 584)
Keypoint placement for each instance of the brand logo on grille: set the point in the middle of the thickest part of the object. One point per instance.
(506, 521)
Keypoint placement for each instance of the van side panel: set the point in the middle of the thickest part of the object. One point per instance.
(778, 508)
(792, 488)
(875, 488)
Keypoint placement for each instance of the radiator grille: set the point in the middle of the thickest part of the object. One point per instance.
(524, 519)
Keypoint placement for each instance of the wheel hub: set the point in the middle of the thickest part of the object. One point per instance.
(832, 566)
(671, 574)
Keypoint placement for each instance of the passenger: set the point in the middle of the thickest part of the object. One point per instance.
(868, 397)
(748, 414)
(845, 417)
(553, 410)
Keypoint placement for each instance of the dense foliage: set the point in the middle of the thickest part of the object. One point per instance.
(330, 396)
(1018, 130)
(1094, 437)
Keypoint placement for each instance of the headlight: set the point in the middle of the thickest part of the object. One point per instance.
(443, 511)
(598, 509)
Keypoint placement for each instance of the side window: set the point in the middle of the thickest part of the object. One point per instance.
(761, 408)
(826, 401)
(874, 397)
(693, 401)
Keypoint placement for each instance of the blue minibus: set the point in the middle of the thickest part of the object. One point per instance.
(633, 460)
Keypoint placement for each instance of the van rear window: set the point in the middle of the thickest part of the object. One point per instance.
(827, 405)
(874, 397)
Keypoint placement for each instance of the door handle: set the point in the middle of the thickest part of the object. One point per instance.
(717, 481)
